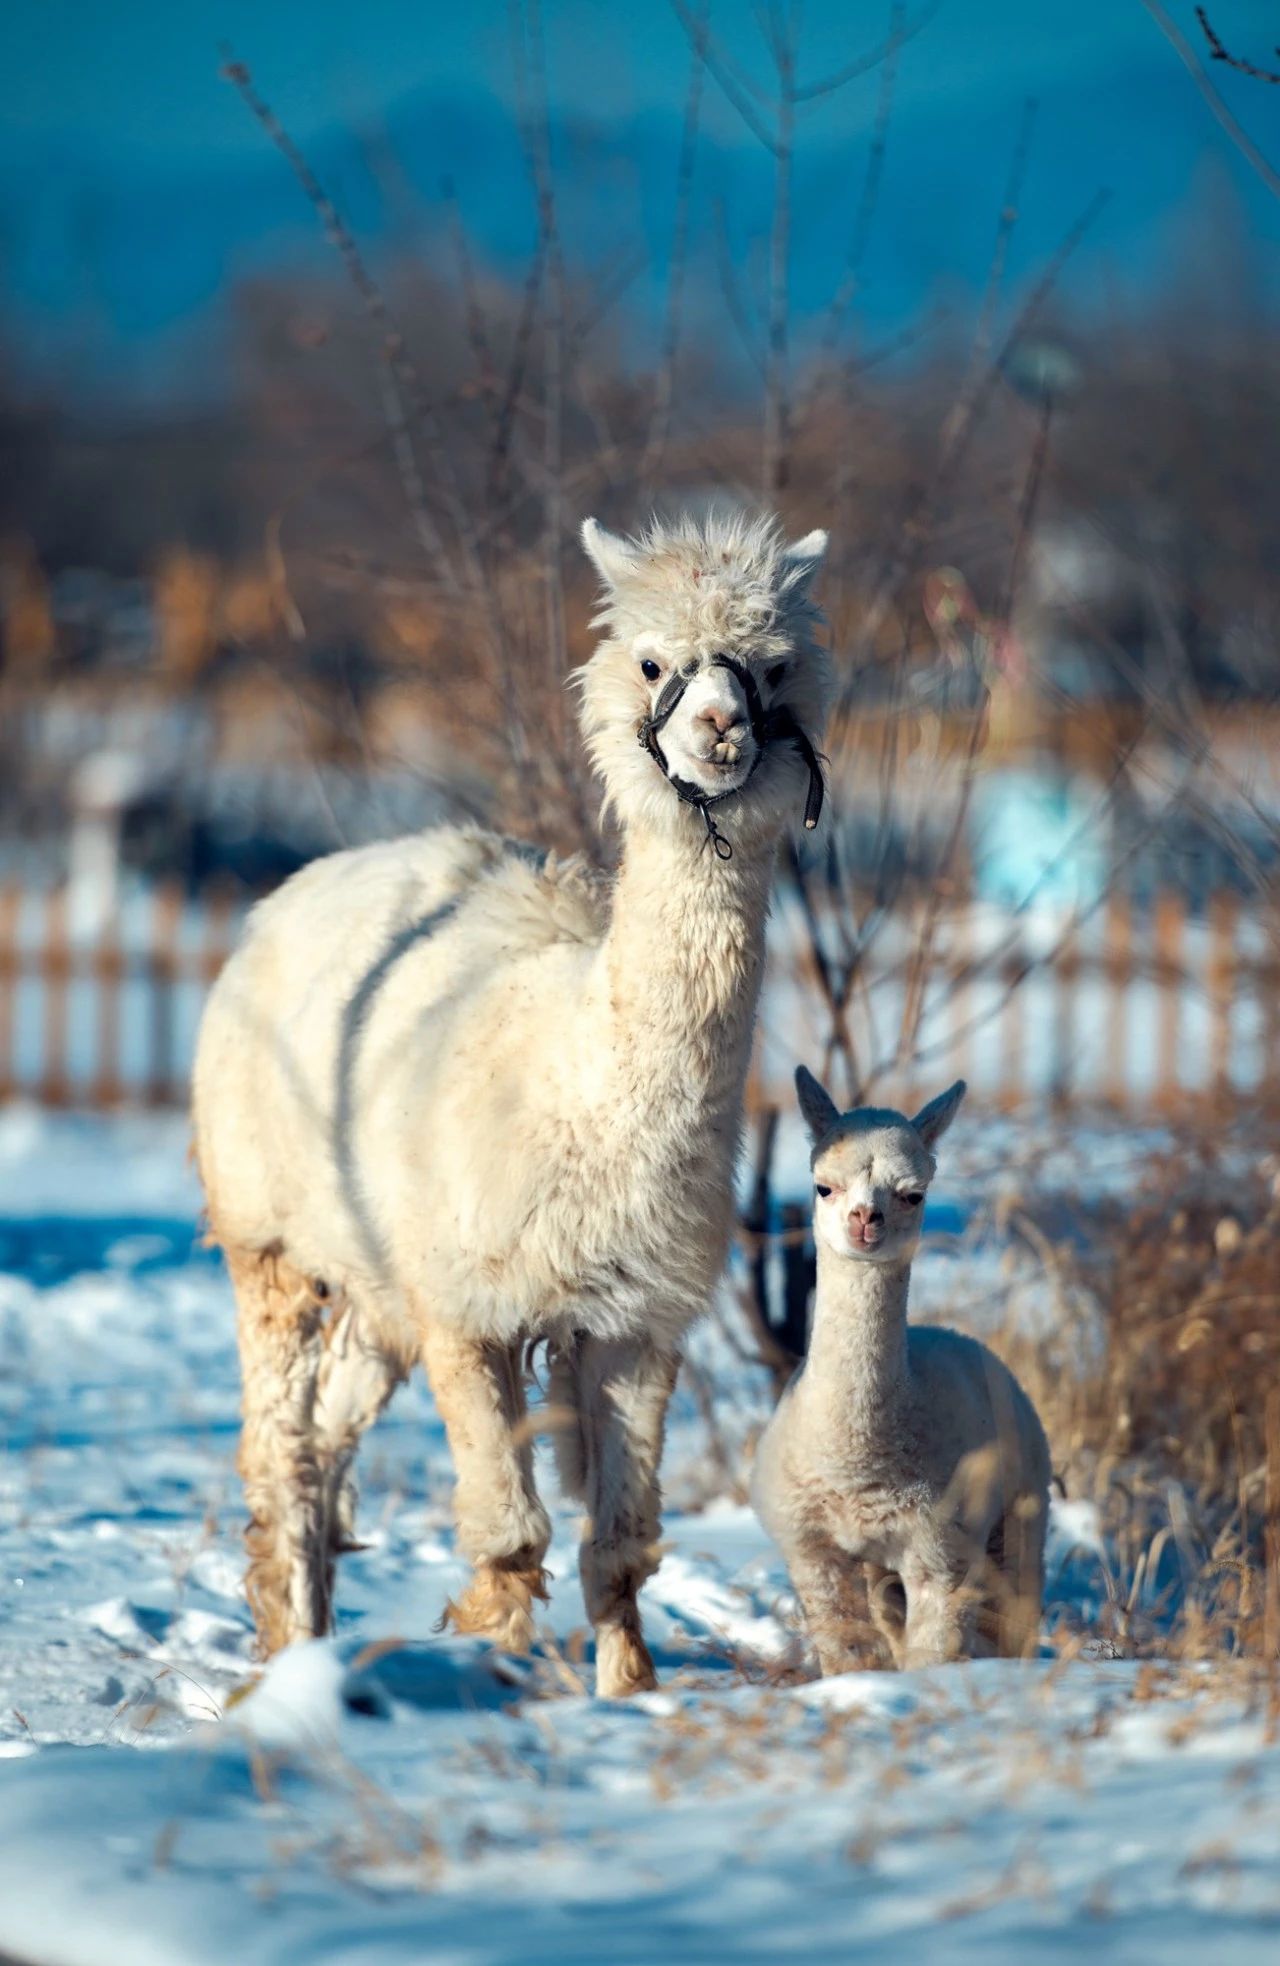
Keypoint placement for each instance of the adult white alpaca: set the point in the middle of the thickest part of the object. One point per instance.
(452, 1096)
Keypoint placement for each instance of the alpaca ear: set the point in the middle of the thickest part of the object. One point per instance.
(613, 558)
(803, 558)
(932, 1121)
(818, 1108)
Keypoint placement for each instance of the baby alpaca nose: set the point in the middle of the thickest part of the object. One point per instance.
(865, 1217)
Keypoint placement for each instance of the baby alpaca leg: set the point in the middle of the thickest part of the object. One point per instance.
(940, 1611)
(1020, 1578)
(502, 1527)
(623, 1390)
(888, 1604)
(281, 1345)
(834, 1601)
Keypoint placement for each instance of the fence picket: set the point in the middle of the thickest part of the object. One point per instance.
(1012, 1086)
(1222, 982)
(1118, 962)
(963, 943)
(57, 977)
(163, 970)
(108, 970)
(1169, 922)
(10, 903)
(1007, 1020)
(1064, 1022)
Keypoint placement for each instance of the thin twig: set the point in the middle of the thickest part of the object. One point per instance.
(723, 70)
(1219, 53)
(553, 344)
(940, 891)
(399, 380)
(504, 426)
(1240, 137)
(872, 180)
(957, 431)
(999, 258)
(1027, 506)
(664, 385)
(729, 287)
(473, 313)
(888, 49)
(613, 286)
(777, 405)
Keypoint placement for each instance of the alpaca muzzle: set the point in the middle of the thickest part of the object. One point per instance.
(767, 726)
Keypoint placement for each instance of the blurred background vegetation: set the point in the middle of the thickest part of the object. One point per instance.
(315, 351)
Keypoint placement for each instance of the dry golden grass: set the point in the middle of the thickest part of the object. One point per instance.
(1159, 1384)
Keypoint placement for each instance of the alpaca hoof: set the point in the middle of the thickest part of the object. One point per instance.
(833, 1664)
(276, 1624)
(623, 1665)
(498, 1605)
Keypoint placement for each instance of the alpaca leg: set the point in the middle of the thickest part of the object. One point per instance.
(502, 1527)
(623, 1391)
(1019, 1597)
(830, 1589)
(887, 1601)
(563, 1419)
(939, 1619)
(357, 1377)
(281, 1347)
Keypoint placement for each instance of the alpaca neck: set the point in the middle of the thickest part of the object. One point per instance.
(682, 962)
(855, 1376)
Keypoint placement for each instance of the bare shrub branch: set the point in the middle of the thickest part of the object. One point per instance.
(1239, 136)
(1219, 53)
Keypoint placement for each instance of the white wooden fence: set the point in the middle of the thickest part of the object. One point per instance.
(1136, 1008)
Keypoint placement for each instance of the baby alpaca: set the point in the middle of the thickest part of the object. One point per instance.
(905, 1470)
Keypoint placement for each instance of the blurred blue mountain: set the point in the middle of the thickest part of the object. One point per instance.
(118, 266)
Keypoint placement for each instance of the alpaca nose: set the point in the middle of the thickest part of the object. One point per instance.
(863, 1218)
(721, 718)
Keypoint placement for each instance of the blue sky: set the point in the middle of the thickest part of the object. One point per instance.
(135, 190)
(142, 75)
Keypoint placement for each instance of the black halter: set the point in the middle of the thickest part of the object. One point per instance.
(765, 726)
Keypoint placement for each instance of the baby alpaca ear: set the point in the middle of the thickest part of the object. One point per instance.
(613, 558)
(932, 1121)
(816, 1104)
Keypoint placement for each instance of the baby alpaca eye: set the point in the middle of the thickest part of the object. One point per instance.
(912, 1200)
(650, 670)
(774, 676)
(819, 1189)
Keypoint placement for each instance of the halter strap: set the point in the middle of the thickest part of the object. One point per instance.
(765, 726)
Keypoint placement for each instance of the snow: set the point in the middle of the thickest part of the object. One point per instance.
(133, 1164)
(396, 1794)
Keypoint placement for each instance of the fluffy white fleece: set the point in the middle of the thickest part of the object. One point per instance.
(483, 1098)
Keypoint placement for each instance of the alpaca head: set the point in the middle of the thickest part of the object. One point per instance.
(871, 1171)
(708, 692)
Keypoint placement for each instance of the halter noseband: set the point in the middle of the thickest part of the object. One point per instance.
(765, 726)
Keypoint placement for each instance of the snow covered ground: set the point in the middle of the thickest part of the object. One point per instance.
(400, 1796)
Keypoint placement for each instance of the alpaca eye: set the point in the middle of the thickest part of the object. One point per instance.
(650, 670)
(774, 676)
(913, 1200)
(824, 1192)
